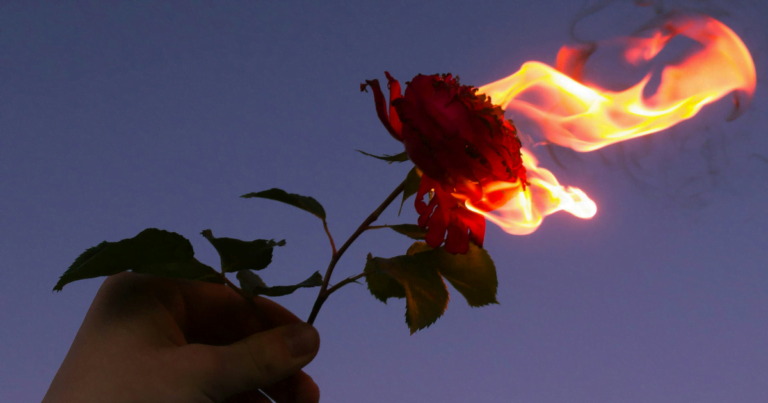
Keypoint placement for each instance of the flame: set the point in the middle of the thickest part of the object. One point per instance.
(586, 117)
(542, 196)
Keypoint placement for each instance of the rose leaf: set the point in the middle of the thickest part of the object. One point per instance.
(239, 255)
(152, 251)
(402, 157)
(253, 285)
(305, 203)
(381, 285)
(412, 231)
(426, 296)
(472, 274)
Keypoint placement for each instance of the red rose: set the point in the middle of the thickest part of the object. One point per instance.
(462, 144)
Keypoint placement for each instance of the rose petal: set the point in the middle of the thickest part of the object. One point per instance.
(436, 226)
(476, 224)
(381, 107)
(394, 93)
(457, 240)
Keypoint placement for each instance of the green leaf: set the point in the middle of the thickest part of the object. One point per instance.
(382, 285)
(252, 284)
(89, 253)
(412, 231)
(412, 182)
(239, 255)
(305, 203)
(418, 277)
(472, 274)
(250, 281)
(403, 156)
(426, 296)
(417, 247)
(152, 251)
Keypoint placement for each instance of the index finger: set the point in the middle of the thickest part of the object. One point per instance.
(215, 314)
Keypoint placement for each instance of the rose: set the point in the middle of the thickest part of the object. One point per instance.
(462, 144)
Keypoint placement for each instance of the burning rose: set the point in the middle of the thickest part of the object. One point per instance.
(462, 144)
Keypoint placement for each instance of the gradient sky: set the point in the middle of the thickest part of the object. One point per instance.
(119, 116)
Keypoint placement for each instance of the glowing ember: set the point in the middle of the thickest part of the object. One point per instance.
(586, 118)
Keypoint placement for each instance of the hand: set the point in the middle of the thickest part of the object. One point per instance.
(151, 339)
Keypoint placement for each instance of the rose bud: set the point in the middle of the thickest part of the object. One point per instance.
(462, 144)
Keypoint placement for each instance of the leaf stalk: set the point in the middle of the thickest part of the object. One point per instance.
(330, 237)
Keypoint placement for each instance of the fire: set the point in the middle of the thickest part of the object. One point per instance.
(586, 118)
(542, 196)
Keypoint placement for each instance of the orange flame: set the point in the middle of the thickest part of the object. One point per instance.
(543, 196)
(586, 118)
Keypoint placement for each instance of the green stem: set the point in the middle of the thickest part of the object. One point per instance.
(330, 238)
(324, 291)
(345, 282)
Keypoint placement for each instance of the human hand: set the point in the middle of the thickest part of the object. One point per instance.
(152, 339)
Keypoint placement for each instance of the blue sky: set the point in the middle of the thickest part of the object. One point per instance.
(115, 117)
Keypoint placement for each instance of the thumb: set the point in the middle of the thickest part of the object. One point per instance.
(257, 361)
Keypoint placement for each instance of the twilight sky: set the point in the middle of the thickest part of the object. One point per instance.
(115, 117)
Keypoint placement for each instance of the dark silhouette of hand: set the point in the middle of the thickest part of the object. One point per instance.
(150, 339)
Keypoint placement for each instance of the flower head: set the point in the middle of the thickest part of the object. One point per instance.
(462, 144)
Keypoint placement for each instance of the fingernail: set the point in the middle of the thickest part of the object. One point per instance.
(302, 339)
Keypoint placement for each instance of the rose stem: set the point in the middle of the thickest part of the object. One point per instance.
(330, 238)
(324, 292)
(344, 282)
